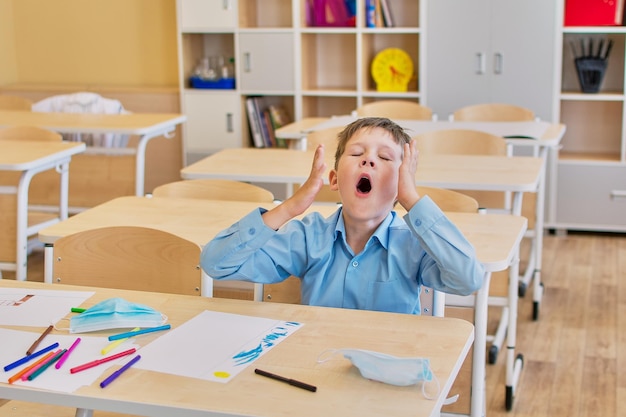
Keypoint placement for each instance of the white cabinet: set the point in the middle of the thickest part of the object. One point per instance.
(213, 123)
(489, 51)
(206, 15)
(266, 62)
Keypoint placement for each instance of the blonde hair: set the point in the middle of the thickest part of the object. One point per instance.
(397, 133)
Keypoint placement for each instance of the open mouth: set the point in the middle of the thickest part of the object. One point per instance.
(364, 185)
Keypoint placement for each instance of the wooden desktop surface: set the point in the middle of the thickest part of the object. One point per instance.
(21, 155)
(131, 123)
(469, 172)
(494, 236)
(342, 391)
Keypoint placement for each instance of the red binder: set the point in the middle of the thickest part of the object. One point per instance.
(594, 12)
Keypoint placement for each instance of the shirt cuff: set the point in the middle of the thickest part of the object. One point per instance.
(253, 231)
(423, 215)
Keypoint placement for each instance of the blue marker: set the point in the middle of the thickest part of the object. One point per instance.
(29, 357)
(138, 332)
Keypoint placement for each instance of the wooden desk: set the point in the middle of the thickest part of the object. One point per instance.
(341, 389)
(496, 238)
(146, 125)
(30, 158)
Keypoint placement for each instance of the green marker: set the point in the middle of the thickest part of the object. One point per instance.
(77, 310)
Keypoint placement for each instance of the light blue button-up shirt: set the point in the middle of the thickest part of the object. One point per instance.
(402, 255)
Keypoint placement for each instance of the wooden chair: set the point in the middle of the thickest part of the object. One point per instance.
(493, 112)
(214, 189)
(130, 258)
(8, 202)
(15, 103)
(395, 109)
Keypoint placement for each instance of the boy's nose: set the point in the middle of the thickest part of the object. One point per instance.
(365, 162)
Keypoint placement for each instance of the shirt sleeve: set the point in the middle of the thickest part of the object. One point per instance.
(450, 265)
(237, 253)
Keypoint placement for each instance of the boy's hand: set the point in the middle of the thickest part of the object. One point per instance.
(303, 198)
(407, 193)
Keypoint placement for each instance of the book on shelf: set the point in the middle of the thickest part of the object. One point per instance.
(387, 14)
(267, 120)
(279, 118)
(254, 122)
(338, 13)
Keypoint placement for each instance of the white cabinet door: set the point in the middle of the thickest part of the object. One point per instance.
(207, 15)
(266, 62)
(213, 122)
(481, 51)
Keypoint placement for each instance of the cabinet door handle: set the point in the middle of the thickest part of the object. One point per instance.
(498, 61)
(226, 4)
(247, 62)
(480, 63)
(618, 194)
(229, 122)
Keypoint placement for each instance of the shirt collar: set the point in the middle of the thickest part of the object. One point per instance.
(381, 234)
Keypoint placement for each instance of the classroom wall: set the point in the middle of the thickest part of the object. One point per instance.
(103, 42)
(8, 64)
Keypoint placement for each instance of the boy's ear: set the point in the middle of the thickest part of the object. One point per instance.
(332, 179)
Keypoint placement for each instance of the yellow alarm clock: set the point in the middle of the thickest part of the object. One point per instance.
(392, 69)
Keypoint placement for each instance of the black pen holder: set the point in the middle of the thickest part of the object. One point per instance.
(590, 73)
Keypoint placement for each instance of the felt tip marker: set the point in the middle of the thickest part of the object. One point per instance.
(101, 361)
(31, 356)
(115, 344)
(119, 372)
(63, 358)
(32, 347)
(289, 381)
(138, 332)
(30, 368)
(46, 365)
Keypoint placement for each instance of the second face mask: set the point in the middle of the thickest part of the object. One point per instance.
(116, 313)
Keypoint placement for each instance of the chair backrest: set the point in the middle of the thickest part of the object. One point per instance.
(328, 137)
(450, 200)
(460, 142)
(15, 103)
(395, 109)
(433, 302)
(493, 112)
(29, 133)
(130, 258)
(214, 189)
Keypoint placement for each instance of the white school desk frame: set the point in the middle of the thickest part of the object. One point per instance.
(340, 388)
(496, 238)
(145, 125)
(30, 158)
(542, 138)
(517, 174)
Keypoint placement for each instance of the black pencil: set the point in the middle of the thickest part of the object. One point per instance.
(289, 381)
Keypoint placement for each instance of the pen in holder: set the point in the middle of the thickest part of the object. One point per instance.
(591, 66)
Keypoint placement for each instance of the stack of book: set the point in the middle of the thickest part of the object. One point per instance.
(263, 120)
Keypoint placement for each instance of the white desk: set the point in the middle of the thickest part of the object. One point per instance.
(341, 390)
(30, 158)
(146, 125)
(496, 238)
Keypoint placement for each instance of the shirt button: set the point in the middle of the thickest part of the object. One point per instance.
(355, 263)
(251, 231)
(418, 222)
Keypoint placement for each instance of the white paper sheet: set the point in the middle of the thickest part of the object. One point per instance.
(15, 343)
(214, 346)
(37, 308)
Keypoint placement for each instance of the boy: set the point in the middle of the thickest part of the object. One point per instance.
(363, 256)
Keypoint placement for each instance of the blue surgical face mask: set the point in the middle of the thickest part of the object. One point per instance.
(389, 369)
(115, 313)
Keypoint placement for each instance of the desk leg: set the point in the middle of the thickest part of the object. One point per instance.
(514, 363)
(206, 285)
(22, 225)
(477, 401)
(83, 412)
(48, 265)
(140, 159)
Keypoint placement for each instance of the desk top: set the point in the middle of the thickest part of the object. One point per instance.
(22, 155)
(341, 390)
(467, 172)
(130, 124)
(543, 133)
(494, 236)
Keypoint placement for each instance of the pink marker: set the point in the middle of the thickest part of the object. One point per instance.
(66, 354)
(32, 370)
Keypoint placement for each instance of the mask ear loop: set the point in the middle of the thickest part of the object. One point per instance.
(65, 329)
(327, 355)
